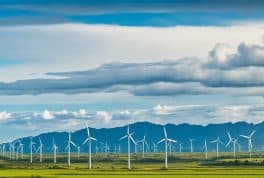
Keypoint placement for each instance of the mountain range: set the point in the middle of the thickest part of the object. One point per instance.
(154, 132)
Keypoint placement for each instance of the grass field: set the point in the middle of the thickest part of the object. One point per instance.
(180, 166)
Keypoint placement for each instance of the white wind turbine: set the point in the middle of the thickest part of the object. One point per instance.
(10, 150)
(55, 150)
(205, 149)
(249, 138)
(136, 148)
(129, 137)
(233, 141)
(180, 147)
(154, 147)
(21, 147)
(166, 140)
(40, 150)
(3, 150)
(78, 152)
(89, 140)
(217, 141)
(143, 141)
(31, 143)
(68, 147)
(191, 144)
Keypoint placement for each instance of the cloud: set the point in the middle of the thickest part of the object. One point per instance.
(117, 6)
(103, 116)
(245, 56)
(5, 115)
(180, 76)
(62, 112)
(47, 115)
(122, 115)
(81, 113)
(162, 114)
(160, 109)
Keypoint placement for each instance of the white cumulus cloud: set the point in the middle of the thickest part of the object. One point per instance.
(47, 115)
(103, 116)
(80, 113)
(5, 115)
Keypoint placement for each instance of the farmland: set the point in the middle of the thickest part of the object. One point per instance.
(181, 165)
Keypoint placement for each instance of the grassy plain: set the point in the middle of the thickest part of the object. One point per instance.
(182, 165)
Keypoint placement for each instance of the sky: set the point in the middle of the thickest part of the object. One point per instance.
(110, 63)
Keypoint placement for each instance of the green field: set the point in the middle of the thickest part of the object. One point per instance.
(180, 166)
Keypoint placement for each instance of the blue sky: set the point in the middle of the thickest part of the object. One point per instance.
(115, 62)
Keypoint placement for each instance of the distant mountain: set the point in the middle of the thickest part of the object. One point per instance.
(154, 133)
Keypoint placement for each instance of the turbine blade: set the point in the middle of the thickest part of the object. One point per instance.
(161, 140)
(221, 142)
(165, 132)
(93, 138)
(123, 137)
(229, 136)
(252, 133)
(88, 131)
(133, 140)
(85, 141)
(244, 136)
(73, 143)
(228, 143)
(170, 140)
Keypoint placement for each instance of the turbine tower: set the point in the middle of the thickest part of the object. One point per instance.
(249, 138)
(129, 137)
(21, 147)
(166, 140)
(143, 141)
(31, 144)
(40, 150)
(68, 147)
(191, 144)
(205, 149)
(89, 139)
(3, 150)
(78, 152)
(55, 150)
(217, 141)
(180, 147)
(233, 141)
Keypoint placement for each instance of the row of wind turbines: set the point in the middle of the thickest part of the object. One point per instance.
(129, 136)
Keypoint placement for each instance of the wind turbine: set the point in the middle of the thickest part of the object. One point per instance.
(78, 152)
(31, 149)
(21, 147)
(233, 141)
(135, 148)
(55, 150)
(170, 145)
(191, 144)
(154, 148)
(166, 140)
(143, 141)
(129, 137)
(40, 150)
(3, 150)
(180, 147)
(249, 138)
(205, 149)
(89, 139)
(217, 141)
(68, 147)
(10, 150)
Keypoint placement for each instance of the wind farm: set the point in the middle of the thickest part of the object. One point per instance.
(181, 162)
(130, 88)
